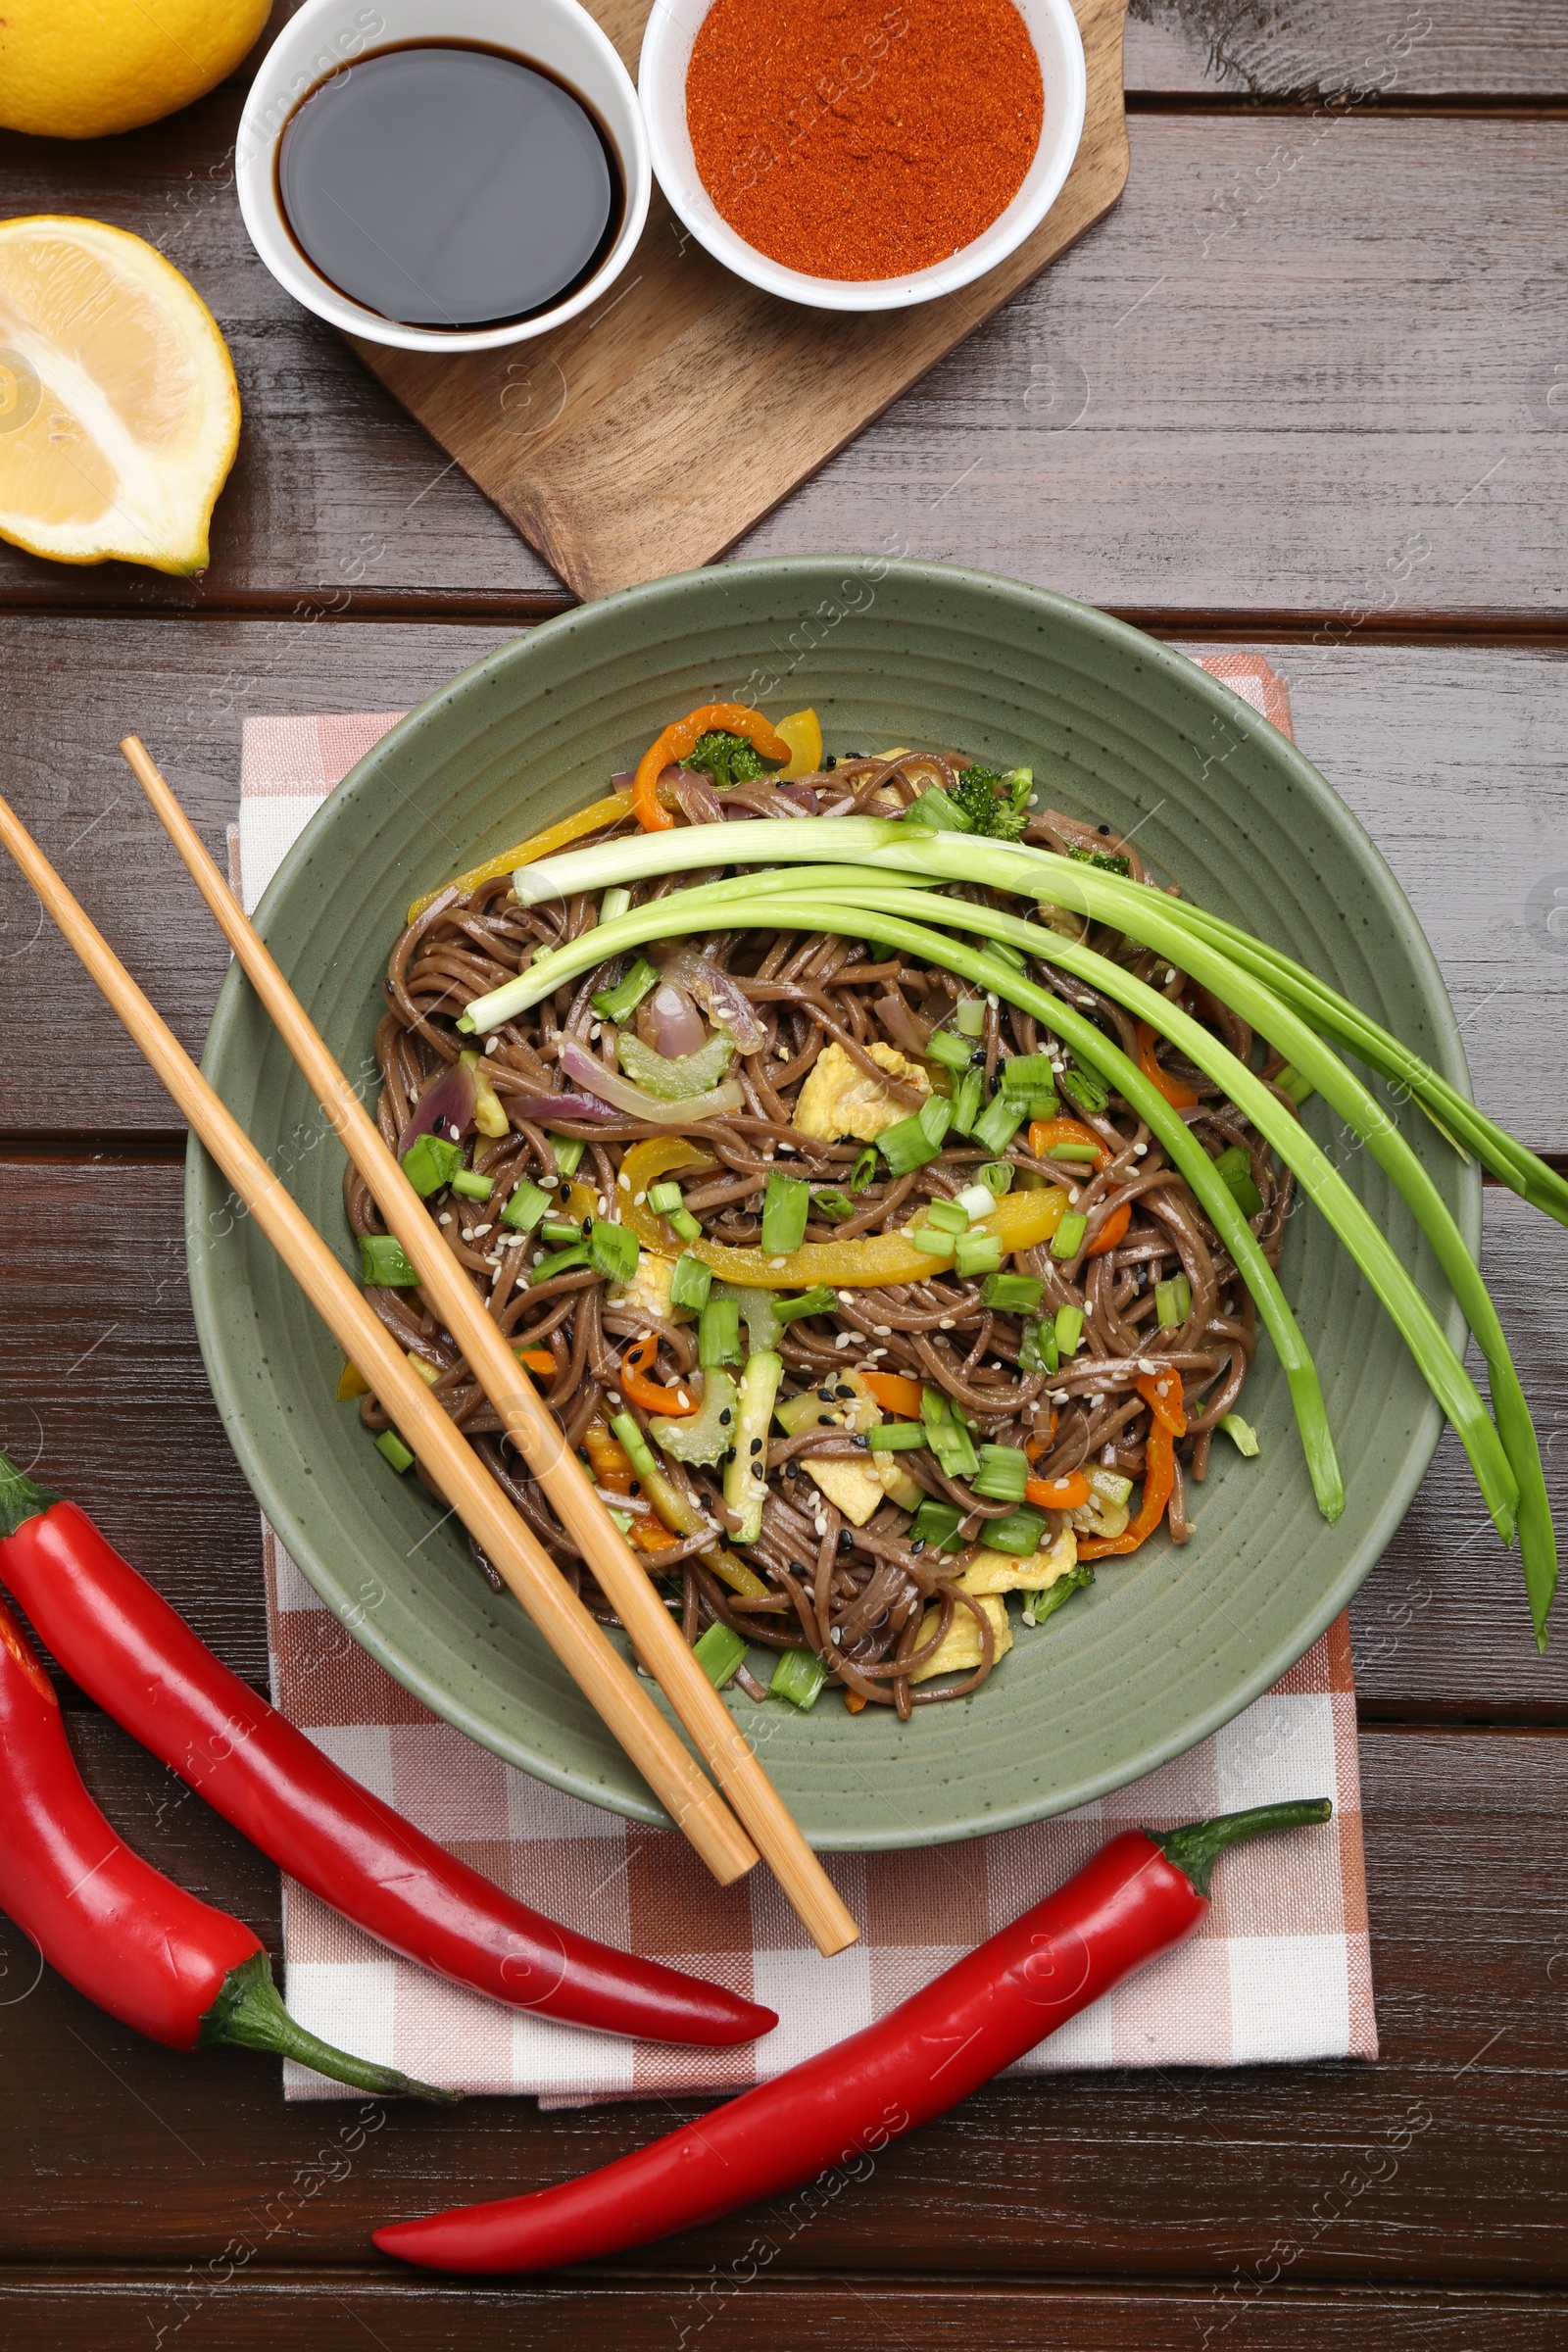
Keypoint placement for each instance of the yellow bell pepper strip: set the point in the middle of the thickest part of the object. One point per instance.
(1162, 1393)
(683, 736)
(1068, 1493)
(1179, 1096)
(893, 1392)
(351, 1383)
(612, 1467)
(591, 819)
(1019, 1220)
(674, 1403)
(802, 732)
(1160, 1481)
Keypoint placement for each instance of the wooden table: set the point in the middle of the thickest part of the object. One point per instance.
(1307, 389)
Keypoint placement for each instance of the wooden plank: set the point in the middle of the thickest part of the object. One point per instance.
(102, 1383)
(1306, 367)
(1442, 2164)
(1392, 50)
(111, 2312)
(1399, 732)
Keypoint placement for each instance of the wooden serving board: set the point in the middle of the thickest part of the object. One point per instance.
(644, 438)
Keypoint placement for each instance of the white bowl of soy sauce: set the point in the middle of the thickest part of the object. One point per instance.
(444, 174)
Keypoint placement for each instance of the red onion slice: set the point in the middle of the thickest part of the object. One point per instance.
(445, 1108)
(670, 1023)
(906, 1030)
(696, 797)
(578, 1064)
(558, 1106)
(720, 998)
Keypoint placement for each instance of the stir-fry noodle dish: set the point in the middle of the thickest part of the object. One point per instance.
(883, 1176)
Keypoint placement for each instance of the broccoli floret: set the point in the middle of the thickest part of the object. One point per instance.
(1107, 861)
(994, 804)
(728, 760)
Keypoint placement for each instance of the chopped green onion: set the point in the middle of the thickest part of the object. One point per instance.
(691, 1281)
(1043, 1107)
(931, 1239)
(978, 1252)
(614, 902)
(429, 1162)
(998, 1123)
(613, 1003)
(718, 1333)
(1088, 1092)
(1038, 1606)
(1002, 1475)
(1037, 1350)
(1241, 1431)
(1234, 1168)
(1068, 1238)
(569, 1150)
(897, 1437)
(718, 1652)
(786, 1205)
(1291, 1082)
(935, 1115)
(525, 1208)
(1173, 1303)
(997, 1176)
(969, 1016)
(383, 1260)
(1028, 1074)
(947, 1216)
(949, 1438)
(935, 809)
(613, 1251)
(864, 1168)
(907, 1145)
(686, 1225)
(955, 1051)
(473, 1187)
(1020, 1531)
(819, 1301)
(634, 1446)
(662, 1198)
(938, 1524)
(798, 1677)
(397, 1454)
(1083, 1155)
(977, 1200)
(559, 1261)
(1012, 1294)
(833, 1205)
(560, 1228)
(1070, 1329)
(967, 1097)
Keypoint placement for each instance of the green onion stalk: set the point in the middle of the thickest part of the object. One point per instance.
(1509, 1473)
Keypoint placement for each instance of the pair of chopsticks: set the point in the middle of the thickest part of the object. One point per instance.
(572, 1633)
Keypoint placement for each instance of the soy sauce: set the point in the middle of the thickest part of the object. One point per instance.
(443, 185)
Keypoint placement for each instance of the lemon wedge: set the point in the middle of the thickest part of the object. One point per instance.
(119, 409)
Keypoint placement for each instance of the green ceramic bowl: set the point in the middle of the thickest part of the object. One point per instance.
(1162, 1650)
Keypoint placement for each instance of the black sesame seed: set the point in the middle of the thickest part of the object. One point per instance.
(757, 1445)
(824, 1395)
(846, 1539)
(792, 1470)
(797, 1568)
(918, 1544)
(636, 1487)
(844, 1389)
(830, 764)
(725, 1419)
(1106, 829)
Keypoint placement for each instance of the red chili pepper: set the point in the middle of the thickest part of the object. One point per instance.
(1135, 1899)
(140, 1659)
(125, 1935)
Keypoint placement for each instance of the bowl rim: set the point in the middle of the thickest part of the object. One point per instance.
(268, 109)
(690, 201)
(203, 1184)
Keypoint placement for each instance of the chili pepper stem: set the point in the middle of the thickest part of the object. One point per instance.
(1196, 1847)
(249, 2014)
(20, 1498)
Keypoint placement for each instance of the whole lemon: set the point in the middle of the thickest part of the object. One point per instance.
(79, 69)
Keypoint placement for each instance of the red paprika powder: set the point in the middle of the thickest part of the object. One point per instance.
(848, 139)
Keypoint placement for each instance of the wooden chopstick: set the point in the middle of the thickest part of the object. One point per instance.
(577, 1639)
(524, 1416)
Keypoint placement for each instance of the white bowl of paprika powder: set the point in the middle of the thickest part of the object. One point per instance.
(853, 156)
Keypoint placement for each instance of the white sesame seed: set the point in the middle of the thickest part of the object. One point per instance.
(613, 1396)
(837, 1634)
(845, 1298)
(638, 1199)
(1139, 1150)
(873, 1354)
(844, 1339)
(1058, 1395)
(786, 1147)
(884, 1331)
(1162, 1388)
(603, 1205)
(682, 1400)
(1146, 1364)
(445, 1218)
(777, 1262)
(1170, 974)
(1072, 1192)
(596, 1033)
(478, 1233)
(624, 1181)
(945, 1323)
(492, 1045)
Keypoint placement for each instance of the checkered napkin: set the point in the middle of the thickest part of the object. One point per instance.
(1280, 1971)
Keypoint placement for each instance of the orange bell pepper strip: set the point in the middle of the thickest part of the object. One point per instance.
(1159, 1482)
(1161, 1392)
(1179, 1096)
(1068, 1493)
(1035, 1446)
(612, 1465)
(896, 1394)
(1112, 1231)
(728, 718)
(537, 1360)
(674, 1402)
(1043, 1133)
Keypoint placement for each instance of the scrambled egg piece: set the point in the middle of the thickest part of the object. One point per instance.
(649, 1289)
(960, 1653)
(855, 1486)
(1008, 1572)
(838, 1097)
